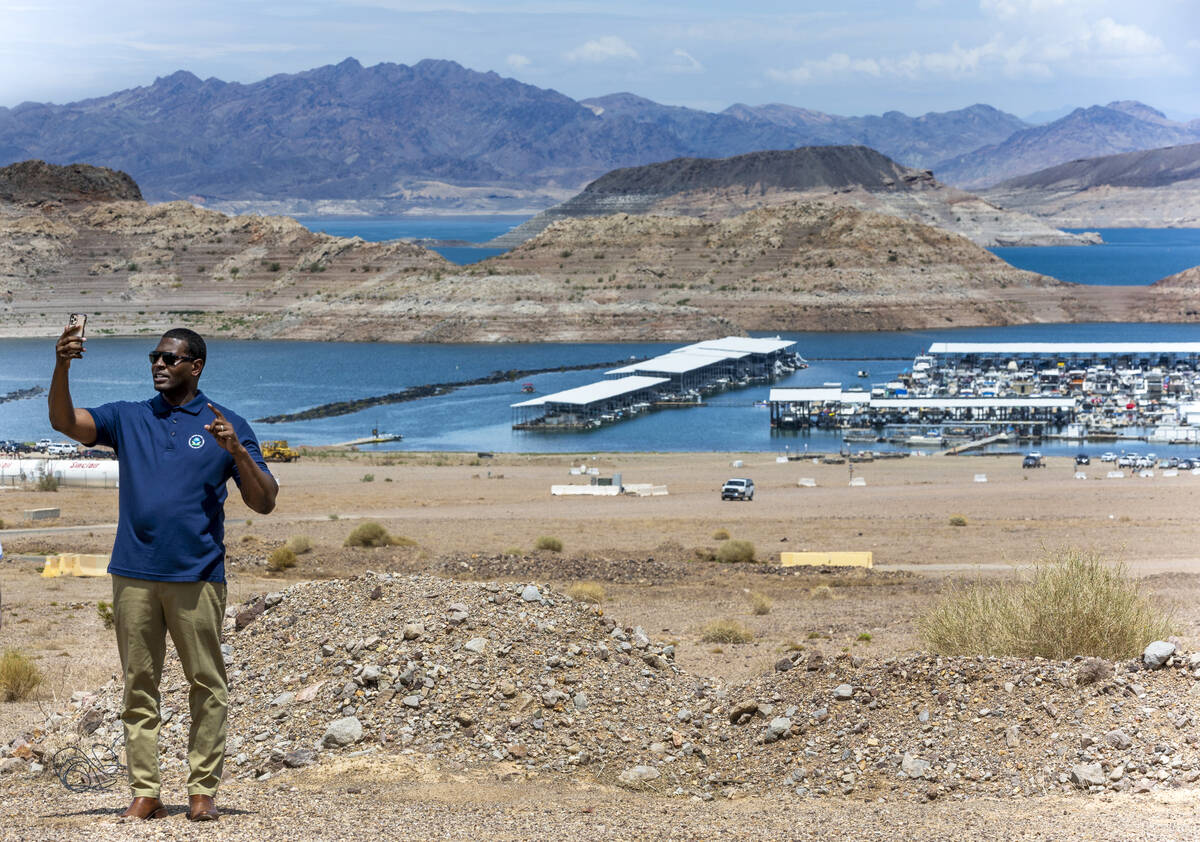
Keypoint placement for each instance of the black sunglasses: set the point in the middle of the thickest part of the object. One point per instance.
(168, 358)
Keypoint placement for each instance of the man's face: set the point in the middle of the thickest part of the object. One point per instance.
(182, 375)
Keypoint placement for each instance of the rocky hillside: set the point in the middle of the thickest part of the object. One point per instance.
(855, 176)
(139, 268)
(1154, 188)
(1084, 133)
(34, 182)
(518, 678)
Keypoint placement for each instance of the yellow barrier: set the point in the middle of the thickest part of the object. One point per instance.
(75, 564)
(826, 559)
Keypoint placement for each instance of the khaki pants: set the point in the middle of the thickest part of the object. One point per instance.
(144, 611)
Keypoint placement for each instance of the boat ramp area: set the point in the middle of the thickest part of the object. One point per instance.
(681, 378)
(972, 391)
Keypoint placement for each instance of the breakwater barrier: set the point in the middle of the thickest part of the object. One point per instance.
(427, 390)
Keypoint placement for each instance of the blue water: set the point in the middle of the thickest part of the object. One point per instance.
(470, 229)
(1128, 257)
(261, 378)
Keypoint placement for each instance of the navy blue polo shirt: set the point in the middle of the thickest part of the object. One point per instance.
(172, 491)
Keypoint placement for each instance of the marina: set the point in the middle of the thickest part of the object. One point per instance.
(680, 378)
(1100, 391)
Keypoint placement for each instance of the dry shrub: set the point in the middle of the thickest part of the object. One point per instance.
(735, 552)
(720, 535)
(703, 554)
(592, 592)
(368, 534)
(548, 542)
(958, 520)
(1072, 604)
(299, 544)
(821, 592)
(760, 603)
(19, 676)
(513, 551)
(726, 631)
(281, 558)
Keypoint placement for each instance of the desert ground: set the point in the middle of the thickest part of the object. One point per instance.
(477, 519)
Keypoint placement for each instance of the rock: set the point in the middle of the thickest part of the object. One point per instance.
(283, 700)
(1118, 739)
(914, 767)
(843, 693)
(456, 613)
(656, 661)
(580, 701)
(272, 599)
(742, 711)
(784, 664)
(780, 728)
(476, 644)
(342, 732)
(412, 701)
(507, 689)
(371, 674)
(413, 631)
(1085, 775)
(1157, 653)
(638, 775)
(1012, 736)
(531, 594)
(299, 757)
(10, 765)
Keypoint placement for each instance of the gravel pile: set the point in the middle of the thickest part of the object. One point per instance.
(520, 675)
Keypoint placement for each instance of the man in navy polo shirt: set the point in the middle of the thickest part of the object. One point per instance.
(176, 452)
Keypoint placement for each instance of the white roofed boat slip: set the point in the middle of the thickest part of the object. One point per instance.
(599, 391)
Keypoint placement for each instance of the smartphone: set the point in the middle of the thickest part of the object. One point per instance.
(78, 320)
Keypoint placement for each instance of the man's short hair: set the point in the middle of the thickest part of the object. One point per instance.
(194, 341)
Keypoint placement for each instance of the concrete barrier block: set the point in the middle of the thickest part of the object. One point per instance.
(981, 478)
(835, 559)
(859, 481)
(42, 514)
(807, 482)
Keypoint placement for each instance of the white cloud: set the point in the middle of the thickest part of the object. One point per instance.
(517, 61)
(683, 62)
(607, 48)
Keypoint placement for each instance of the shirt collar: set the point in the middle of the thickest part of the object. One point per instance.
(192, 407)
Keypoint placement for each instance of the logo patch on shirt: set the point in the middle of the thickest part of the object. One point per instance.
(196, 442)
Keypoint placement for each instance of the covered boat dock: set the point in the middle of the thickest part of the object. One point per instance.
(588, 406)
(1124, 354)
(833, 408)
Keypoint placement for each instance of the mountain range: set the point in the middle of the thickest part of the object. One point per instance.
(442, 136)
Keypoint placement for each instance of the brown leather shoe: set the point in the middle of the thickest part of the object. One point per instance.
(202, 809)
(143, 807)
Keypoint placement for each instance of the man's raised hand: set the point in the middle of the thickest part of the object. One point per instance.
(222, 431)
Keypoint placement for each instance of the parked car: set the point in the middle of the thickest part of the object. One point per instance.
(61, 448)
(42, 444)
(1082, 459)
(96, 453)
(738, 489)
(1108, 456)
(1126, 461)
(1033, 460)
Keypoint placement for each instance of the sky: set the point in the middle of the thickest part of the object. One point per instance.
(852, 57)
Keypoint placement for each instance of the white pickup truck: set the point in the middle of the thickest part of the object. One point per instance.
(738, 489)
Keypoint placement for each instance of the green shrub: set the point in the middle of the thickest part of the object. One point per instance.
(368, 534)
(281, 558)
(368, 477)
(1072, 604)
(726, 631)
(19, 676)
(720, 535)
(760, 603)
(299, 544)
(864, 637)
(592, 592)
(514, 551)
(548, 542)
(958, 520)
(105, 612)
(47, 483)
(735, 552)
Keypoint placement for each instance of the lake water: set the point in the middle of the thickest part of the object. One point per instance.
(1128, 257)
(262, 378)
(377, 229)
